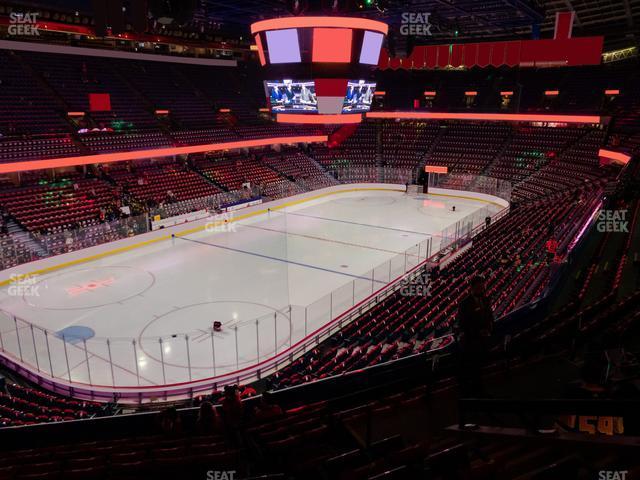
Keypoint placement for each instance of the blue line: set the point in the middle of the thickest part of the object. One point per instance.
(357, 223)
(237, 250)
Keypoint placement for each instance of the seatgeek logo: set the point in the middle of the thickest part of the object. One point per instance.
(415, 24)
(222, 222)
(23, 24)
(419, 287)
(221, 475)
(614, 221)
(612, 474)
(24, 285)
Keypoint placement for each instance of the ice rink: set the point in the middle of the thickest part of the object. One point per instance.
(271, 279)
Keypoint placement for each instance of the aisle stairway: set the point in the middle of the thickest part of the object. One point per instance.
(22, 236)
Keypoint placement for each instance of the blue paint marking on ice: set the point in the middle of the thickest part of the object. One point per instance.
(75, 334)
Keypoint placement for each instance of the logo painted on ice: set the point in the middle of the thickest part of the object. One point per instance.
(613, 221)
(222, 222)
(23, 285)
(23, 24)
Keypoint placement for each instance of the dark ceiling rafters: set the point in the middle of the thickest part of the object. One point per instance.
(617, 20)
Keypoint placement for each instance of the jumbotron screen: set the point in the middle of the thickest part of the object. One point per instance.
(298, 96)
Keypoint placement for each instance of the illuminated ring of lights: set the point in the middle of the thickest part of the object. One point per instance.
(311, 22)
(330, 119)
(504, 117)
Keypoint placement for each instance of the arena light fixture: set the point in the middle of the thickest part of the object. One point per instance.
(328, 119)
(497, 117)
(615, 156)
(436, 169)
(154, 153)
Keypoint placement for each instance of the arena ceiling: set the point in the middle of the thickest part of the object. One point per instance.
(618, 20)
(463, 20)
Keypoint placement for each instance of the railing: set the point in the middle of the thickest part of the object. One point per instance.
(371, 173)
(84, 237)
(473, 183)
(201, 203)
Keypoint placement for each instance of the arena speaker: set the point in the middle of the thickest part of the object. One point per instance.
(299, 7)
(115, 16)
(177, 12)
(100, 16)
(139, 12)
(108, 14)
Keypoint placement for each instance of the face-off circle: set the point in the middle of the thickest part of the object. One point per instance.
(196, 321)
(89, 288)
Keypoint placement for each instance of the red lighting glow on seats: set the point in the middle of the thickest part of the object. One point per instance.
(155, 153)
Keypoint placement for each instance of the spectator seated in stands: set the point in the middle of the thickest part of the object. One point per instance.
(208, 421)
(475, 323)
(267, 409)
(232, 412)
(170, 422)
